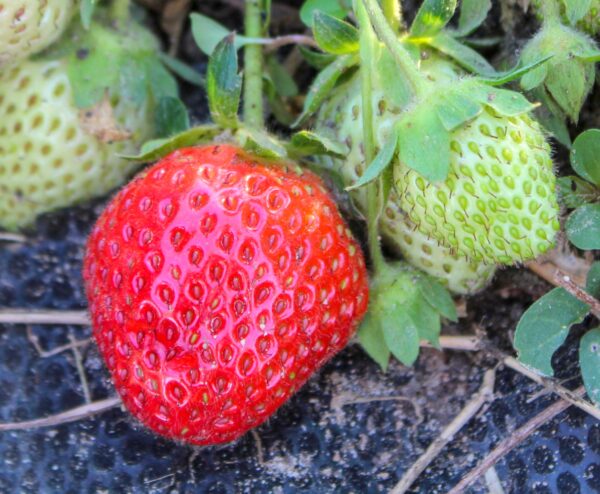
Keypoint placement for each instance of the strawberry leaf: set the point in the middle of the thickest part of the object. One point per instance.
(334, 35)
(424, 143)
(438, 297)
(335, 8)
(472, 14)
(316, 59)
(585, 155)
(592, 283)
(589, 361)
(181, 69)
(379, 164)
(306, 143)
(432, 17)
(370, 336)
(583, 227)
(462, 54)
(544, 327)
(157, 148)
(574, 192)
(323, 84)
(208, 33)
(223, 83)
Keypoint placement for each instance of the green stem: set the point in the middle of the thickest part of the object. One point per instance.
(386, 34)
(253, 66)
(367, 40)
(392, 9)
(119, 11)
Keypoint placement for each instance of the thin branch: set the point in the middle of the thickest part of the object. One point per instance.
(12, 237)
(511, 442)
(72, 415)
(483, 396)
(465, 343)
(32, 316)
(273, 44)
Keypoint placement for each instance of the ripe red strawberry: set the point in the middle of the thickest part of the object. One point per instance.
(217, 285)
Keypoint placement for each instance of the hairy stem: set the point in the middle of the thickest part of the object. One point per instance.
(388, 37)
(119, 11)
(367, 39)
(253, 66)
(550, 11)
(392, 9)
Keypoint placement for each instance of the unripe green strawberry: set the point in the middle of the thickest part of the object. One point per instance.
(29, 26)
(498, 203)
(47, 158)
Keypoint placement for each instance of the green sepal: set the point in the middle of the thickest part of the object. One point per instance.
(223, 83)
(534, 78)
(323, 84)
(335, 8)
(171, 117)
(455, 108)
(260, 143)
(574, 192)
(589, 362)
(544, 327)
(281, 80)
(463, 55)
(505, 77)
(576, 9)
(504, 101)
(334, 35)
(158, 148)
(208, 33)
(86, 12)
(431, 17)
(567, 83)
(381, 161)
(424, 143)
(438, 297)
(472, 15)
(370, 336)
(316, 59)
(307, 143)
(181, 69)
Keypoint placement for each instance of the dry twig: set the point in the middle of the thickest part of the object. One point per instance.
(511, 442)
(483, 396)
(78, 413)
(32, 316)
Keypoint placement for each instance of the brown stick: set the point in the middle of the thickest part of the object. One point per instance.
(72, 415)
(511, 442)
(32, 316)
(483, 396)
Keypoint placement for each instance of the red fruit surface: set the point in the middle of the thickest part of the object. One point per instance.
(217, 285)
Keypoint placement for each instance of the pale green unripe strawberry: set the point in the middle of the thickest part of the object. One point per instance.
(47, 158)
(340, 120)
(498, 203)
(29, 26)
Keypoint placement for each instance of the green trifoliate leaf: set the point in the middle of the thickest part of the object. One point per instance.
(307, 143)
(592, 283)
(223, 83)
(334, 35)
(171, 117)
(438, 297)
(585, 156)
(335, 8)
(157, 148)
(424, 143)
(576, 9)
(472, 14)
(583, 227)
(432, 17)
(544, 327)
(380, 163)
(86, 12)
(370, 336)
(456, 108)
(574, 192)
(589, 361)
(466, 57)
(323, 84)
